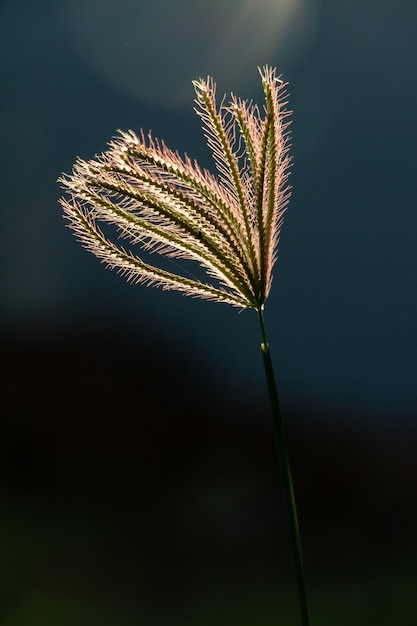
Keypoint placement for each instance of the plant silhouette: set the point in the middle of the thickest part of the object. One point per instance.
(167, 205)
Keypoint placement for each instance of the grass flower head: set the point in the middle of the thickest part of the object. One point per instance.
(166, 204)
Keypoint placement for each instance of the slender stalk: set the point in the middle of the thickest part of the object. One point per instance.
(282, 450)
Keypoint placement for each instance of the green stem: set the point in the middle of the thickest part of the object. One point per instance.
(286, 474)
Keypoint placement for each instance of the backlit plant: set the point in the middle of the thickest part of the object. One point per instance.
(167, 205)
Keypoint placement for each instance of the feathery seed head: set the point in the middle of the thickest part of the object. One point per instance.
(164, 203)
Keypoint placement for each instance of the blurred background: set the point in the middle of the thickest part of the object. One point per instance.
(138, 478)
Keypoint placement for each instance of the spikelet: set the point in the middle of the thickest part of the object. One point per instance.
(166, 204)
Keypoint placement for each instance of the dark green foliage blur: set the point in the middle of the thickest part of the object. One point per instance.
(131, 495)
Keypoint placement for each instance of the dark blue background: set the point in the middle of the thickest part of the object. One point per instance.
(138, 476)
(342, 312)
